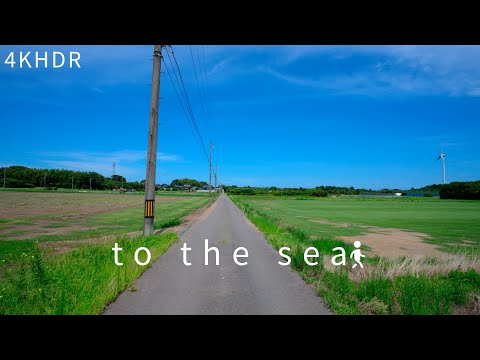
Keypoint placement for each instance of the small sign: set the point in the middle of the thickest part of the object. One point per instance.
(149, 206)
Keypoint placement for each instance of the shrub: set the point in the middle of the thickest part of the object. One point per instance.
(461, 190)
(427, 195)
(319, 193)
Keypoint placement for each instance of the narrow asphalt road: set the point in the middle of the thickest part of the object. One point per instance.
(260, 287)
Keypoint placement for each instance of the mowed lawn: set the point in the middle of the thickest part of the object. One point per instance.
(453, 225)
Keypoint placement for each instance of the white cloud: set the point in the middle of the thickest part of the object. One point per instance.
(128, 163)
(97, 90)
(166, 157)
(452, 70)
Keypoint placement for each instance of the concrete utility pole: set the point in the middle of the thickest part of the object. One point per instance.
(210, 182)
(72, 183)
(4, 177)
(216, 171)
(152, 143)
(90, 183)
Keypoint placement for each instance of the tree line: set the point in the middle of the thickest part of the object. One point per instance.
(25, 177)
(319, 191)
(461, 190)
(186, 181)
(455, 190)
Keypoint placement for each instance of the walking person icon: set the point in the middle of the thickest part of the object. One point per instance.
(357, 254)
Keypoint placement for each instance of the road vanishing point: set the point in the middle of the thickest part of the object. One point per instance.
(262, 286)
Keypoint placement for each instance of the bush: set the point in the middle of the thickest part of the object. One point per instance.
(427, 195)
(461, 190)
(319, 193)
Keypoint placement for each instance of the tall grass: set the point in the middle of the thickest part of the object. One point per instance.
(401, 286)
(82, 281)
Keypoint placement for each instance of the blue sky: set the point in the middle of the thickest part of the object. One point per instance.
(362, 116)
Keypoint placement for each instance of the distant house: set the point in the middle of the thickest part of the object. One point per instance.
(205, 188)
(185, 187)
(398, 194)
(163, 187)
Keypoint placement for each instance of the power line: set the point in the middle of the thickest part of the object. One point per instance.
(179, 97)
(194, 122)
(206, 86)
(183, 91)
(200, 95)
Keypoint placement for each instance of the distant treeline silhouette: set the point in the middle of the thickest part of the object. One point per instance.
(25, 177)
(461, 190)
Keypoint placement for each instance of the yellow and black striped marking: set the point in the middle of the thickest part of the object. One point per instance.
(149, 207)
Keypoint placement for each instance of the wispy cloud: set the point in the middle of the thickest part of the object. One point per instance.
(128, 163)
(166, 157)
(381, 70)
(97, 90)
(120, 155)
(453, 141)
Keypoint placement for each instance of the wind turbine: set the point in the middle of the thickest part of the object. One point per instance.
(442, 156)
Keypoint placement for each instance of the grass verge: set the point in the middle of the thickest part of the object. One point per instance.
(403, 286)
(74, 272)
(82, 281)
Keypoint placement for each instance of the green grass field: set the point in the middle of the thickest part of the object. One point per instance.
(404, 285)
(452, 224)
(81, 281)
(46, 217)
(55, 258)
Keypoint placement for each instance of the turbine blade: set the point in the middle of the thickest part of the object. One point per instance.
(441, 150)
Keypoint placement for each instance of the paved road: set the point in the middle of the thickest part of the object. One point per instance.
(260, 287)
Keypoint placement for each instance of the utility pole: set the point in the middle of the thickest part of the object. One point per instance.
(72, 183)
(152, 143)
(45, 180)
(90, 183)
(4, 177)
(210, 182)
(216, 171)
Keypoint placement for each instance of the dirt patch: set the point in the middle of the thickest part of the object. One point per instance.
(392, 243)
(326, 222)
(38, 214)
(389, 242)
(60, 247)
(24, 204)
